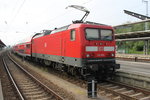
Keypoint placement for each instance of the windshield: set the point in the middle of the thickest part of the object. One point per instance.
(98, 34)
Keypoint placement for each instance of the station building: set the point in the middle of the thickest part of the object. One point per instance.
(2, 45)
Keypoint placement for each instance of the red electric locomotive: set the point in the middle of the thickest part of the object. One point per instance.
(80, 48)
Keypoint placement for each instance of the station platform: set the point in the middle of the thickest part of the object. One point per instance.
(134, 73)
(133, 57)
(1, 93)
(138, 56)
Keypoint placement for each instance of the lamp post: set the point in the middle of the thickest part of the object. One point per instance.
(146, 24)
(146, 28)
(146, 2)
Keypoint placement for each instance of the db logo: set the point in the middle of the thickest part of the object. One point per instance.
(101, 49)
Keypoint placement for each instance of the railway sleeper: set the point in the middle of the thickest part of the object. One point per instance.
(30, 90)
(128, 92)
(119, 90)
(109, 94)
(25, 83)
(30, 86)
(135, 95)
(102, 92)
(108, 85)
(145, 98)
(117, 98)
(114, 87)
(39, 96)
(34, 93)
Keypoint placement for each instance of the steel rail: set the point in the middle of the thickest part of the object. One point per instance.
(13, 81)
(40, 83)
(121, 94)
(126, 97)
(137, 89)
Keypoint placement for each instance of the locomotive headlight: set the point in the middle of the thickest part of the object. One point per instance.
(112, 55)
(87, 55)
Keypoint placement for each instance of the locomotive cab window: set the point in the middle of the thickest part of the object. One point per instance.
(98, 34)
(106, 35)
(92, 34)
(72, 35)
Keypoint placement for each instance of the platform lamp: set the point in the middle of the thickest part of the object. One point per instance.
(32, 42)
(146, 24)
(146, 2)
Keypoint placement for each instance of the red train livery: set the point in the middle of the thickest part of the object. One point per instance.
(23, 49)
(80, 49)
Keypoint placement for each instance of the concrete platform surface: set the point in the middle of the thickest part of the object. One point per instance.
(134, 73)
(139, 56)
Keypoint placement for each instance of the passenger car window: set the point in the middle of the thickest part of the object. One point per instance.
(28, 46)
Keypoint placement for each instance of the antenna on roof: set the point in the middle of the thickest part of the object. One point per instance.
(81, 8)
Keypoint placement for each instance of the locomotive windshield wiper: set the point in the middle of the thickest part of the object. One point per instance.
(93, 39)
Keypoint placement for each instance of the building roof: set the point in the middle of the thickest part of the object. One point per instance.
(133, 36)
(2, 44)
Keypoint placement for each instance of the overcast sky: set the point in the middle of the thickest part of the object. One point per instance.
(20, 19)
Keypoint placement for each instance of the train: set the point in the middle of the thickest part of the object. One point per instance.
(80, 49)
(22, 49)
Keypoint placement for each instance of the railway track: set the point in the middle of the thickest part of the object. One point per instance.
(9, 92)
(110, 89)
(118, 91)
(27, 86)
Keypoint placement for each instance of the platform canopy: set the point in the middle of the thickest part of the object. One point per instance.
(2, 44)
(133, 36)
(137, 34)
